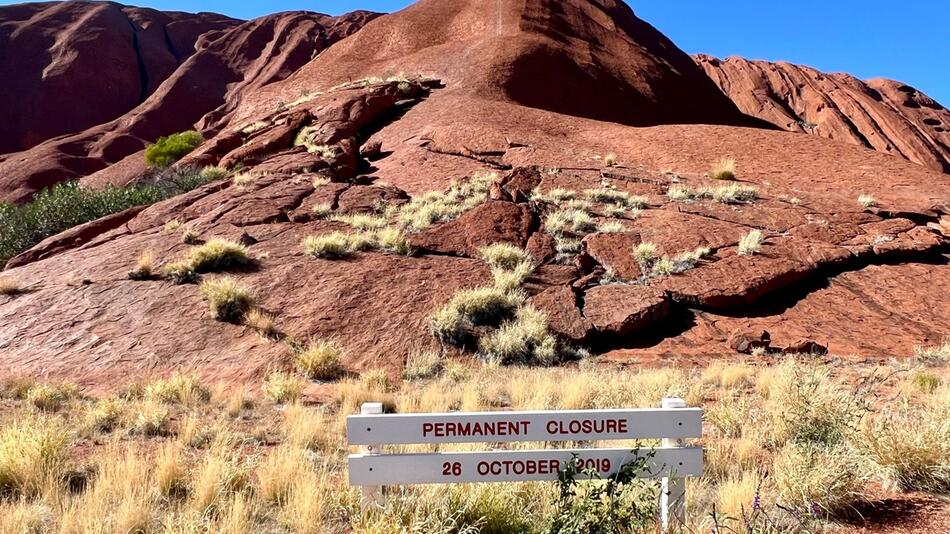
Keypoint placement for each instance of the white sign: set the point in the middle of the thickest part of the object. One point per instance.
(505, 427)
(508, 466)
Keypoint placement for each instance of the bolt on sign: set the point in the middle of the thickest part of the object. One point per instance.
(671, 462)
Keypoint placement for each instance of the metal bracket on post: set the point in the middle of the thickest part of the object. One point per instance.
(371, 496)
(672, 489)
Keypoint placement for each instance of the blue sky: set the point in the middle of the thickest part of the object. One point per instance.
(909, 41)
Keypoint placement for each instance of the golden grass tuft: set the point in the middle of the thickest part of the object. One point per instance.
(483, 306)
(244, 179)
(263, 323)
(217, 254)
(320, 360)
(144, 266)
(423, 364)
(525, 339)
(751, 243)
(283, 387)
(32, 456)
(867, 201)
(229, 299)
(9, 286)
(212, 173)
(610, 160)
(50, 397)
(724, 169)
(179, 273)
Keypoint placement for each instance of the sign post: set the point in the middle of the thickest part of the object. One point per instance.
(673, 488)
(672, 462)
(371, 495)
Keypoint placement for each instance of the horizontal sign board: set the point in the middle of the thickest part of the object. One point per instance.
(509, 466)
(505, 427)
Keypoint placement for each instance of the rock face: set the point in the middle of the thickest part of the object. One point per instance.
(198, 91)
(855, 279)
(880, 114)
(74, 65)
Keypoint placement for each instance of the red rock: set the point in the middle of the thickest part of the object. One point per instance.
(53, 62)
(519, 183)
(202, 92)
(494, 221)
(804, 346)
(370, 198)
(564, 317)
(624, 310)
(745, 342)
(615, 253)
(541, 247)
(885, 115)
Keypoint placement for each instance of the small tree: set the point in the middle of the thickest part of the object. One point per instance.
(168, 150)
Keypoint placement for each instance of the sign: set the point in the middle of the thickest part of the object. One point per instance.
(509, 466)
(506, 427)
(671, 463)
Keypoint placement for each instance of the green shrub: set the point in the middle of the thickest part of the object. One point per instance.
(68, 204)
(621, 504)
(168, 150)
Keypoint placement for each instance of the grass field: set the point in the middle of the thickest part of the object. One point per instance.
(792, 447)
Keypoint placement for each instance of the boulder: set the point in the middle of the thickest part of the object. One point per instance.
(494, 221)
(622, 310)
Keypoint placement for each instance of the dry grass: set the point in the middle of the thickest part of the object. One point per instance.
(724, 169)
(244, 179)
(320, 360)
(485, 306)
(610, 160)
(784, 435)
(321, 211)
(433, 207)
(9, 286)
(179, 388)
(229, 299)
(217, 254)
(263, 323)
(934, 354)
(751, 243)
(144, 266)
(180, 272)
(211, 173)
(611, 227)
(283, 387)
(333, 245)
(362, 221)
(867, 201)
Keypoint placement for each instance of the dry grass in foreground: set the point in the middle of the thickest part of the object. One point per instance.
(790, 448)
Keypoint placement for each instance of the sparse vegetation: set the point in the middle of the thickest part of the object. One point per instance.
(321, 211)
(751, 243)
(212, 173)
(524, 339)
(180, 272)
(320, 360)
(282, 387)
(726, 194)
(244, 179)
(9, 286)
(425, 210)
(610, 160)
(867, 201)
(645, 253)
(611, 227)
(934, 355)
(144, 266)
(68, 204)
(216, 255)
(263, 323)
(228, 298)
(789, 448)
(168, 150)
(680, 263)
(724, 169)
(484, 306)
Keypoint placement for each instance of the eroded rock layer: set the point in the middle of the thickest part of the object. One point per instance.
(200, 93)
(884, 115)
(69, 66)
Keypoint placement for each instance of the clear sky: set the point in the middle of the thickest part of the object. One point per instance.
(906, 41)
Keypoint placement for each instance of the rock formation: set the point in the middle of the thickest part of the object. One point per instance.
(200, 93)
(880, 114)
(858, 279)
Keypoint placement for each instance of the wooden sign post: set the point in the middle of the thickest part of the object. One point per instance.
(672, 462)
